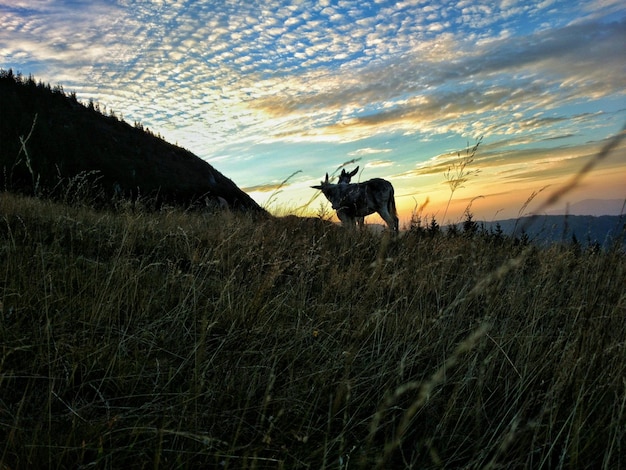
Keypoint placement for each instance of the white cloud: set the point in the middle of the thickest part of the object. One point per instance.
(214, 74)
(368, 151)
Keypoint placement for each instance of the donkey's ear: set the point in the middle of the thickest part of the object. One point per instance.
(353, 172)
(326, 178)
(317, 187)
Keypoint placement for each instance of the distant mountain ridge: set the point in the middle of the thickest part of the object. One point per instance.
(69, 139)
(595, 207)
(548, 229)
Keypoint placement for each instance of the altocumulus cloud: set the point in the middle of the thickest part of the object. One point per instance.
(259, 64)
(224, 78)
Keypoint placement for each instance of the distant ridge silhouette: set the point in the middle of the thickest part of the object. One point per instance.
(596, 207)
(548, 229)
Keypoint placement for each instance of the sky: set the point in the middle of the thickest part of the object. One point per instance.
(275, 94)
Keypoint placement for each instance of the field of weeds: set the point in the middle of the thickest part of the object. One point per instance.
(181, 340)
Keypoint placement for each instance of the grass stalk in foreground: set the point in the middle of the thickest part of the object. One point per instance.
(175, 340)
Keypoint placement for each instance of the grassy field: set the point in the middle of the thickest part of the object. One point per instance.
(182, 340)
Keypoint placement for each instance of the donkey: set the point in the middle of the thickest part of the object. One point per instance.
(353, 200)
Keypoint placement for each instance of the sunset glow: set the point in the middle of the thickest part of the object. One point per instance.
(264, 90)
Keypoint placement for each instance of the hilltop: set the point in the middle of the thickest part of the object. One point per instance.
(65, 139)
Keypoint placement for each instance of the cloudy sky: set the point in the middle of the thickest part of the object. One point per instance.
(274, 89)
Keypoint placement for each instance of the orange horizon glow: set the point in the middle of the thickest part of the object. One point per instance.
(491, 194)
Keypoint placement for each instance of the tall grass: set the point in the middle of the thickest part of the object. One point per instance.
(177, 340)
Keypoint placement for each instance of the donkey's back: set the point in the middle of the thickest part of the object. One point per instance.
(362, 199)
(365, 198)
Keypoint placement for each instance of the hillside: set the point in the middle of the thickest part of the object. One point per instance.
(167, 339)
(70, 139)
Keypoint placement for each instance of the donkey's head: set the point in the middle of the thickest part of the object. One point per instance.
(322, 185)
(345, 177)
(333, 192)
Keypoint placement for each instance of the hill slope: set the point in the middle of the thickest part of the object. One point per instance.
(176, 340)
(69, 138)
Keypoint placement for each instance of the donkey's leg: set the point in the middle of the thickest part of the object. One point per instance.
(391, 222)
(346, 220)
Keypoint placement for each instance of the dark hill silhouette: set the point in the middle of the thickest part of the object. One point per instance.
(69, 139)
